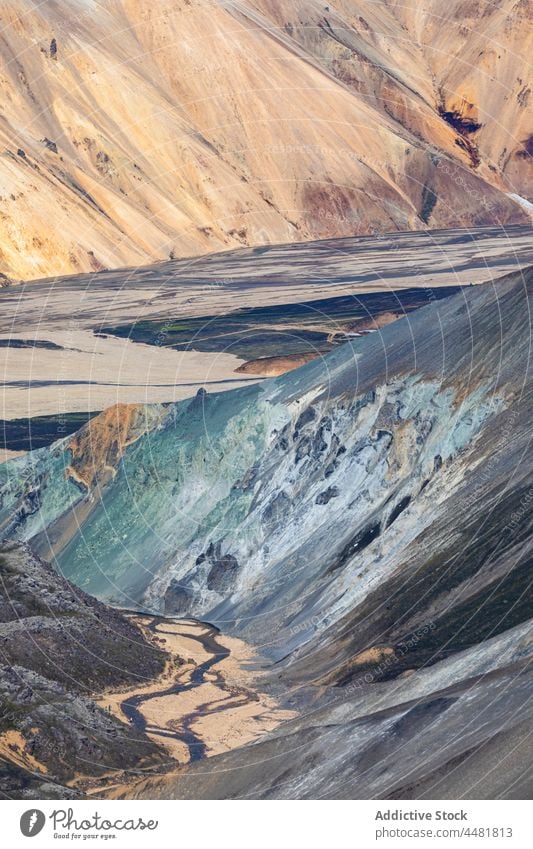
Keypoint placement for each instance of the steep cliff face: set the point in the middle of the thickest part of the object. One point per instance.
(132, 132)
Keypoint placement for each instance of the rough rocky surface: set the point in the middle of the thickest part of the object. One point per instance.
(147, 131)
(58, 648)
(390, 424)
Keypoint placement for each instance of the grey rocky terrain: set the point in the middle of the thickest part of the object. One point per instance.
(58, 648)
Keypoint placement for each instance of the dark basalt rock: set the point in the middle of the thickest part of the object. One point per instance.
(360, 541)
(177, 599)
(308, 416)
(222, 574)
(224, 568)
(282, 443)
(465, 126)
(400, 507)
(429, 199)
(327, 495)
(319, 444)
(526, 151)
(50, 145)
(276, 509)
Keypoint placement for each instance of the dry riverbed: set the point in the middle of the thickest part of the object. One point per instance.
(208, 699)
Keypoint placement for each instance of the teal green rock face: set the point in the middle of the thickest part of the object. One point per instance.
(363, 521)
(24, 511)
(172, 487)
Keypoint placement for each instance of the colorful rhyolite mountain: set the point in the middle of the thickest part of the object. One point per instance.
(136, 131)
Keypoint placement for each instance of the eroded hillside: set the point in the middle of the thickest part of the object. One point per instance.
(60, 647)
(362, 520)
(132, 132)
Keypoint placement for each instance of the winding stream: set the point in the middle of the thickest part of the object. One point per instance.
(131, 706)
(209, 698)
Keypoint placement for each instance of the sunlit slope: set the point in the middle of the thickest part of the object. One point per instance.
(133, 131)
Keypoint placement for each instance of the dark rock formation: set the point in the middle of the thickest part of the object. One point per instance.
(58, 648)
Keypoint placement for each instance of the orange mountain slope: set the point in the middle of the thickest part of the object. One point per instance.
(131, 131)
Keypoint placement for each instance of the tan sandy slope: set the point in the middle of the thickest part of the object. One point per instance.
(131, 131)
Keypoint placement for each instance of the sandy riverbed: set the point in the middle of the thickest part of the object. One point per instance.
(225, 710)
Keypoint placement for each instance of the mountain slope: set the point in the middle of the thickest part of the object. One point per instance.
(58, 648)
(132, 132)
(458, 730)
(363, 520)
(225, 506)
